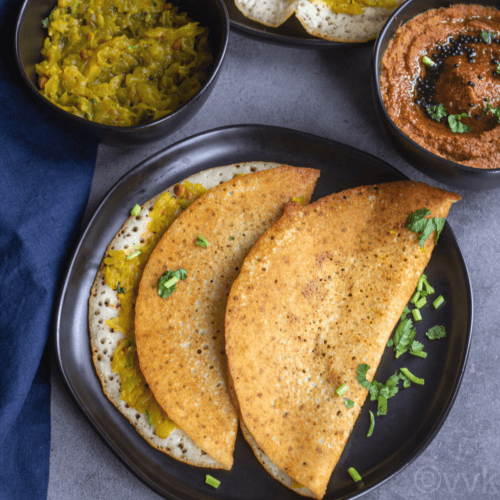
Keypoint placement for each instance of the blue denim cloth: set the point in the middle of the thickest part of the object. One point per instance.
(45, 179)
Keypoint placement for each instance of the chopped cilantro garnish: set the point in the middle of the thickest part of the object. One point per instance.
(212, 481)
(120, 289)
(419, 224)
(404, 335)
(149, 417)
(372, 424)
(382, 406)
(134, 255)
(136, 210)
(201, 241)
(390, 389)
(436, 332)
(437, 112)
(382, 392)
(354, 474)
(46, 22)
(495, 111)
(168, 280)
(417, 349)
(487, 36)
(349, 403)
(410, 376)
(456, 125)
(361, 377)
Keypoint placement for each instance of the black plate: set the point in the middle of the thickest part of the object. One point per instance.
(415, 414)
(291, 32)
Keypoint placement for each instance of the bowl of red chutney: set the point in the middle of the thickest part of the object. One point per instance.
(436, 85)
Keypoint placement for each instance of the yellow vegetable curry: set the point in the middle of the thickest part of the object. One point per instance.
(122, 62)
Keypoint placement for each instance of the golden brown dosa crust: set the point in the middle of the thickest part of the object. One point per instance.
(180, 339)
(319, 294)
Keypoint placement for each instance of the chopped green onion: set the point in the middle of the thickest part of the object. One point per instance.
(133, 47)
(413, 378)
(420, 284)
(201, 241)
(149, 417)
(428, 288)
(421, 303)
(415, 297)
(438, 302)
(231, 238)
(134, 255)
(342, 389)
(354, 474)
(136, 210)
(212, 481)
(416, 315)
(120, 289)
(349, 403)
(372, 424)
(428, 61)
(172, 281)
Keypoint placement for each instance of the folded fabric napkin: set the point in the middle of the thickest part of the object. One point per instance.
(45, 179)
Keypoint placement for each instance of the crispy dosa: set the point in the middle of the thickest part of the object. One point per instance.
(105, 305)
(320, 293)
(180, 339)
(318, 18)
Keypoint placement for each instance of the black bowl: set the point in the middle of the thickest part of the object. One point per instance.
(436, 167)
(29, 38)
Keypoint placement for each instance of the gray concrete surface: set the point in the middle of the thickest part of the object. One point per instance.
(326, 93)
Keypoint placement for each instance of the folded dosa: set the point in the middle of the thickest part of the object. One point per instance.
(318, 18)
(107, 332)
(319, 294)
(180, 339)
